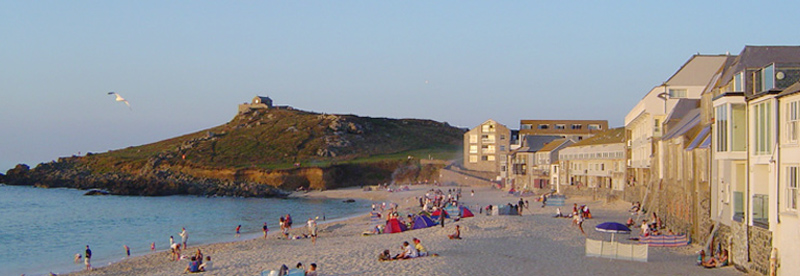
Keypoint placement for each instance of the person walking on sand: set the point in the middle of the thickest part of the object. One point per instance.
(441, 217)
(521, 205)
(87, 258)
(184, 237)
(265, 229)
(312, 229)
(238, 228)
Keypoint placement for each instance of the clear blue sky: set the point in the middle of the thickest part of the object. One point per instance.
(185, 65)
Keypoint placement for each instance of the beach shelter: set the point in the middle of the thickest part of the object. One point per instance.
(465, 212)
(435, 214)
(394, 226)
(423, 222)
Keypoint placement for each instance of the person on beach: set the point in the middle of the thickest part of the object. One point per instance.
(199, 256)
(288, 221)
(579, 222)
(265, 229)
(184, 237)
(127, 250)
(238, 228)
(207, 265)
(193, 266)
(720, 261)
(456, 235)
(420, 249)
(441, 218)
(171, 240)
(175, 249)
(312, 230)
(408, 252)
(521, 204)
(385, 256)
(312, 270)
(78, 257)
(87, 258)
(284, 230)
(153, 246)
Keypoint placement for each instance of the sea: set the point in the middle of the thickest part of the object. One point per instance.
(41, 230)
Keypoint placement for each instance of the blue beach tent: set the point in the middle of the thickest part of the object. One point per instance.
(423, 222)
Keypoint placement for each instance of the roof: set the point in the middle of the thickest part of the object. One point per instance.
(697, 70)
(682, 108)
(553, 145)
(534, 143)
(718, 75)
(698, 140)
(759, 56)
(688, 122)
(792, 89)
(611, 136)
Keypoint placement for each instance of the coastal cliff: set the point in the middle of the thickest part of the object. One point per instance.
(261, 153)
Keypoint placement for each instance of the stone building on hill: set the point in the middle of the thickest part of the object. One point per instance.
(258, 102)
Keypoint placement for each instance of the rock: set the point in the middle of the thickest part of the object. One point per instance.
(350, 200)
(97, 192)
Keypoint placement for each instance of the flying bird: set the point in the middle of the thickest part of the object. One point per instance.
(121, 99)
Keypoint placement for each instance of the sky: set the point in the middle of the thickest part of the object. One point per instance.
(185, 65)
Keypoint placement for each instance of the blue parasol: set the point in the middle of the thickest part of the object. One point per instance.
(613, 228)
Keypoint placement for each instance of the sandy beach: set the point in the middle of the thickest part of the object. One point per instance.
(532, 244)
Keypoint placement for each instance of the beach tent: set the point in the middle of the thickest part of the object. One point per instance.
(435, 214)
(394, 226)
(423, 222)
(452, 209)
(465, 212)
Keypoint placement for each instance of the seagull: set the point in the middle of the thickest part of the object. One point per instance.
(120, 99)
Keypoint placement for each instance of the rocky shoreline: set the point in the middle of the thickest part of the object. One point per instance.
(68, 173)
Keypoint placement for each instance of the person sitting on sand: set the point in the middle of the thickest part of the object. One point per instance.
(701, 259)
(720, 261)
(312, 270)
(207, 265)
(175, 248)
(456, 235)
(629, 223)
(408, 252)
(193, 266)
(558, 213)
(385, 256)
(421, 249)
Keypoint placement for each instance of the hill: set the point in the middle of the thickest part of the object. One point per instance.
(276, 147)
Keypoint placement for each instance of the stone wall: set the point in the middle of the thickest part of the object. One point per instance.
(738, 252)
(461, 178)
(604, 194)
(760, 248)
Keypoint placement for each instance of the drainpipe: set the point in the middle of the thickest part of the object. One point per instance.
(775, 161)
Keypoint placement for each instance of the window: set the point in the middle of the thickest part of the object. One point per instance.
(761, 210)
(473, 159)
(792, 116)
(490, 158)
(473, 138)
(561, 126)
(791, 188)
(656, 127)
(488, 148)
(487, 138)
(577, 126)
(487, 128)
(594, 127)
(525, 126)
(473, 148)
(484, 158)
(502, 148)
(721, 120)
(763, 127)
(677, 93)
(544, 126)
(768, 77)
(502, 137)
(738, 120)
(738, 82)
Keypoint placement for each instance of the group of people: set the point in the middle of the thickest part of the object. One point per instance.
(652, 228)
(196, 263)
(286, 224)
(408, 251)
(437, 199)
(718, 261)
